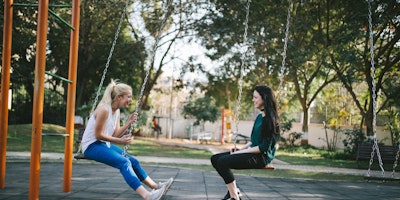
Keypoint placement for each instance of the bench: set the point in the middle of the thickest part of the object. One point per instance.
(202, 137)
(55, 134)
(388, 153)
(240, 137)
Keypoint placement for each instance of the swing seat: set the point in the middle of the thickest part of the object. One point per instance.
(269, 167)
(79, 156)
(381, 178)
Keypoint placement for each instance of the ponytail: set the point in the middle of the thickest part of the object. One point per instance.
(114, 89)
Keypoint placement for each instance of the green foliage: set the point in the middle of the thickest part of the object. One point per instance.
(393, 125)
(353, 138)
(285, 126)
(203, 109)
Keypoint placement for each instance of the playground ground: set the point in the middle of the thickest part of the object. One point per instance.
(91, 180)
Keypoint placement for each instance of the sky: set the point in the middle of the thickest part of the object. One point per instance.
(182, 49)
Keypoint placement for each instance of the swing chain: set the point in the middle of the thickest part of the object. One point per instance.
(151, 55)
(283, 68)
(372, 74)
(109, 56)
(245, 49)
(107, 64)
(396, 160)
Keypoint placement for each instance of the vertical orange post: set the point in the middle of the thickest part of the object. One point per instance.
(72, 73)
(222, 126)
(5, 86)
(38, 99)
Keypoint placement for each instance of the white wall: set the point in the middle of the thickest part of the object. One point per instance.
(316, 134)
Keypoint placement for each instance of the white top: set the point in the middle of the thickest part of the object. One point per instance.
(89, 136)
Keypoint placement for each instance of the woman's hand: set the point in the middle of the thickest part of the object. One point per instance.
(132, 118)
(126, 139)
(233, 150)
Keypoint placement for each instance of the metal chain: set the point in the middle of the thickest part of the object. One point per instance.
(107, 63)
(245, 46)
(375, 146)
(282, 72)
(396, 160)
(109, 57)
(152, 55)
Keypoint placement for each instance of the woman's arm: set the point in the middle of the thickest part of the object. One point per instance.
(249, 149)
(101, 120)
(246, 146)
(119, 131)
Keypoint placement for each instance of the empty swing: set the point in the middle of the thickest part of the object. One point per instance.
(375, 146)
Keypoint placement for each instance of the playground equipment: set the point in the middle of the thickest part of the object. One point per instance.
(37, 118)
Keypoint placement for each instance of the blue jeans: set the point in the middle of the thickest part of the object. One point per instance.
(128, 166)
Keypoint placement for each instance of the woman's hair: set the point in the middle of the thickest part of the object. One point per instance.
(270, 123)
(114, 89)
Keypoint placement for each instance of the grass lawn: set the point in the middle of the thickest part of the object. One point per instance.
(19, 139)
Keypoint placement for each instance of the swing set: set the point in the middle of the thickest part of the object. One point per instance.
(38, 100)
(43, 10)
(40, 64)
(375, 146)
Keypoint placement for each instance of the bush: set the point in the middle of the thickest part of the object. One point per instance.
(353, 138)
(286, 125)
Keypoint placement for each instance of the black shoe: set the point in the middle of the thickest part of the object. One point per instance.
(228, 196)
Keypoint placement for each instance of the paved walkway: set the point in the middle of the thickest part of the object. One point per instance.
(91, 180)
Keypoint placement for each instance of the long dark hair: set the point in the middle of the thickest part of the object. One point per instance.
(270, 123)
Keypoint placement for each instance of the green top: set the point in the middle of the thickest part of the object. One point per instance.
(267, 147)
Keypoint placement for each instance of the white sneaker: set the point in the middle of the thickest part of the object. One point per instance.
(167, 183)
(157, 194)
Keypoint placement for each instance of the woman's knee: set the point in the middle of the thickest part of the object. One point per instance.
(123, 163)
(214, 159)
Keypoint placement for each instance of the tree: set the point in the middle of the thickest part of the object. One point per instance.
(352, 58)
(98, 28)
(23, 61)
(168, 23)
(203, 109)
(221, 31)
(307, 67)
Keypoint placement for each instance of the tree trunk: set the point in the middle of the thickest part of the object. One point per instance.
(304, 128)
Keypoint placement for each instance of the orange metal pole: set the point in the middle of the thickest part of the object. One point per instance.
(38, 99)
(5, 86)
(73, 62)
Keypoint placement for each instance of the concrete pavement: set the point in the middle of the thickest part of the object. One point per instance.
(91, 180)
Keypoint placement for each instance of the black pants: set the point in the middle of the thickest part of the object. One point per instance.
(224, 162)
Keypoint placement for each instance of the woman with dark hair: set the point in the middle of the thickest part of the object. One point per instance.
(257, 153)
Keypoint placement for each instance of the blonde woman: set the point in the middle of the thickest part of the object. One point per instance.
(103, 131)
